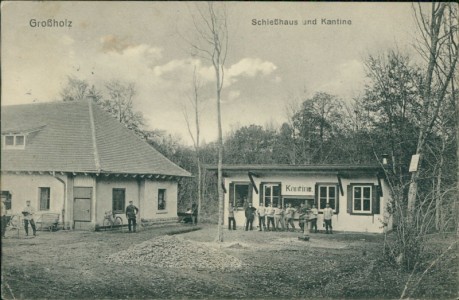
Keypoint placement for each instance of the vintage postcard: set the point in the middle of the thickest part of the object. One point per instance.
(212, 150)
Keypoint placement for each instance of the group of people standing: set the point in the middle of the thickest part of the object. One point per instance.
(278, 218)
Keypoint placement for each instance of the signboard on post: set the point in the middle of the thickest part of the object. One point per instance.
(414, 163)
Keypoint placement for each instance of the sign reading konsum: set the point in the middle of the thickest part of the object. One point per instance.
(297, 189)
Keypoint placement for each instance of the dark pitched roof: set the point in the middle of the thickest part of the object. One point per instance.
(277, 167)
(332, 168)
(78, 137)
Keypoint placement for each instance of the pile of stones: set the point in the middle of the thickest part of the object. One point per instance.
(175, 252)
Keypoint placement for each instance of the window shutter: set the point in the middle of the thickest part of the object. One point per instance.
(281, 201)
(375, 199)
(337, 199)
(261, 194)
(231, 193)
(349, 199)
(316, 196)
(250, 195)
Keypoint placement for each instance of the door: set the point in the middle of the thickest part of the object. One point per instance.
(82, 204)
(82, 210)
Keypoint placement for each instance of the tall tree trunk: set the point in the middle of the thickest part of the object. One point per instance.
(457, 156)
(430, 103)
(438, 193)
(213, 36)
(198, 147)
(221, 195)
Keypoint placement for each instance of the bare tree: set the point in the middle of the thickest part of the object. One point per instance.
(211, 43)
(75, 90)
(195, 101)
(120, 104)
(437, 45)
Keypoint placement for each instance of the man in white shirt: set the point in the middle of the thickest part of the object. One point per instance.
(289, 216)
(278, 217)
(313, 218)
(328, 214)
(231, 219)
(261, 218)
(28, 213)
(270, 217)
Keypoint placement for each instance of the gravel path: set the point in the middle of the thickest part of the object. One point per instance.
(176, 252)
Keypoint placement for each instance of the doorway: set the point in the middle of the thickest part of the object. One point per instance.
(82, 199)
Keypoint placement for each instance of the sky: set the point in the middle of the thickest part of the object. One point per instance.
(147, 43)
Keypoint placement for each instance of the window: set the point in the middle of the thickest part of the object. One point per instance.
(20, 140)
(361, 199)
(327, 194)
(6, 195)
(271, 194)
(44, 198)
(14, 141)
(240, 193)
(118, 201)
(161, 199)
(9, 140)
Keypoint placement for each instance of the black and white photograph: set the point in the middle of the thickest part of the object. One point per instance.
(229, 150)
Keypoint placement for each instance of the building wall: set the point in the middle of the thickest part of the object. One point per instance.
(149, 207)
(342, 221)
(25, 187)
(143, 193)
(104, 195)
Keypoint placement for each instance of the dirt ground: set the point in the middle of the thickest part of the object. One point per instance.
(276, 265)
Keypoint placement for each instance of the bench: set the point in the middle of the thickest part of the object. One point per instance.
(48, 221)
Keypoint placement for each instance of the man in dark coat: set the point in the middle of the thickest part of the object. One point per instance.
(131, 214)
(249, 216)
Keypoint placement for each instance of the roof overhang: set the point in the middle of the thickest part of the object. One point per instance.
(24, 131)
(98, 174)
(315, 169)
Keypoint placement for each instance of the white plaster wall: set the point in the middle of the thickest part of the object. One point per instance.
(149, 207)
(26, 187)
(104, 195)
(358, 223)
(294, 179)
(342, 221)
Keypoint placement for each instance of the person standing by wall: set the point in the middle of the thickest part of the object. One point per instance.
(5, 217)
(231, 217)
(194, 214)
(328, 214)
(28, 213)
(131, 215)
(283, 217)
(249, 216)
(261, 218)
(313, 218)
(278, 215)
(301, 218)
(289, 216)
(270, 217)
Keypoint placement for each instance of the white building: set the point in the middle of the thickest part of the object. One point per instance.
(357, 193)
(75, 160)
